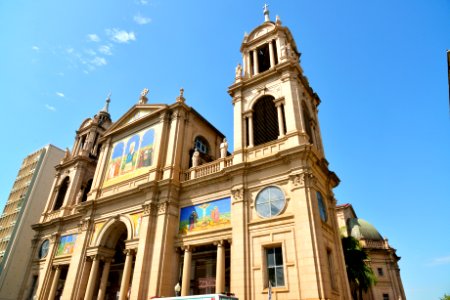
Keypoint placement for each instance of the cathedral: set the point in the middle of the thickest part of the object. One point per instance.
(155, 204)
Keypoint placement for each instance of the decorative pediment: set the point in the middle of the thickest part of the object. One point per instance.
(260, 31)
(134, 115)
(86, 123)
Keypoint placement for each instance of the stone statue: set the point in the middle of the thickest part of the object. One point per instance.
(223, 148)
(80, 195)
(238, 71)
(143, 99)
(66, 155)
(195, 158)
(180, 98)
(283, 51)
(277, 20)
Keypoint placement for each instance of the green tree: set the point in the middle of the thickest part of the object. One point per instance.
(360, 274)
(445, 297)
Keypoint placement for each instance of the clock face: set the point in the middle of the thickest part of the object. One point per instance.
(322, 209)
(44, 249)
(270, 202)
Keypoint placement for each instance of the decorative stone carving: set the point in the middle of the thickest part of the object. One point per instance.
(83, 225)
(149, 209)
(302, 180)
(238, 194)
(162, 207)
(54, 237)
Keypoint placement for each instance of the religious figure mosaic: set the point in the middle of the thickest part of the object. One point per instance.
(131, 156)
(209, 215)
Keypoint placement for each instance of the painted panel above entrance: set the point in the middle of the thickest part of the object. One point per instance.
(131, 157)
(66, 245)
(208, 215)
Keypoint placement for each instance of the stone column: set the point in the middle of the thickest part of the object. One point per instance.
(104, 280)
(255, 62)
(272, 55)
(186, 281)
(246, 62)
(250, 130)
(125, 284)
(281, 129)
(52, 293)
(220, 268)
(92, 278)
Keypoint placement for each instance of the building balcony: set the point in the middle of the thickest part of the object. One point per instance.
(207, 169)
(249, 154)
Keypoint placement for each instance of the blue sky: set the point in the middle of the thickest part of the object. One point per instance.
(379, 68)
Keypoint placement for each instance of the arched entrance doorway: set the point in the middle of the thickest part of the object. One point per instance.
(112, 262)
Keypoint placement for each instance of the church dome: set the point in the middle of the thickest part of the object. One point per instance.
(361, 229)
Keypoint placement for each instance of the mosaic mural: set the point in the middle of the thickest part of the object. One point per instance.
(137, 219)
(97, 228)
(66, 244)
(131, 156)
(209, 215)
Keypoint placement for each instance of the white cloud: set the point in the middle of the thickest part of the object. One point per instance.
(98, 61)
(141, 20)
(59, 94)
(105, 49)
(120, 36)
(93, 37)
(35, 48)
(50, 108)
(143, 2)
(445, 260)
(70, 50)
(90, 52)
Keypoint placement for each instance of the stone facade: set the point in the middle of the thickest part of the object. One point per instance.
(156, 200)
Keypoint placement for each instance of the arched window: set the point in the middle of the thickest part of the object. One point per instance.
(307, 120)
(201, 144)
(265, 121)
(61, 193)
(203, 147)
(87, 189)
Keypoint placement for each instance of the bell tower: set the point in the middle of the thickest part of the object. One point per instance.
(272, 98)
(278, 145)
(74, 174)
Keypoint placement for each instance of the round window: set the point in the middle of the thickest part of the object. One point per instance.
(322, 209)
(270, 202)
(44, 249)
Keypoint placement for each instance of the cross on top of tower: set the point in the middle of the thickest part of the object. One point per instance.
(266, 13)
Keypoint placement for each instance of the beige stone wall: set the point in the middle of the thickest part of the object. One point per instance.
(313, 265)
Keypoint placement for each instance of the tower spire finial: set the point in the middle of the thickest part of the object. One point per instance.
(106, 107)
(266, 13)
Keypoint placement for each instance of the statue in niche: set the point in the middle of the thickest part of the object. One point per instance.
(80, 195)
